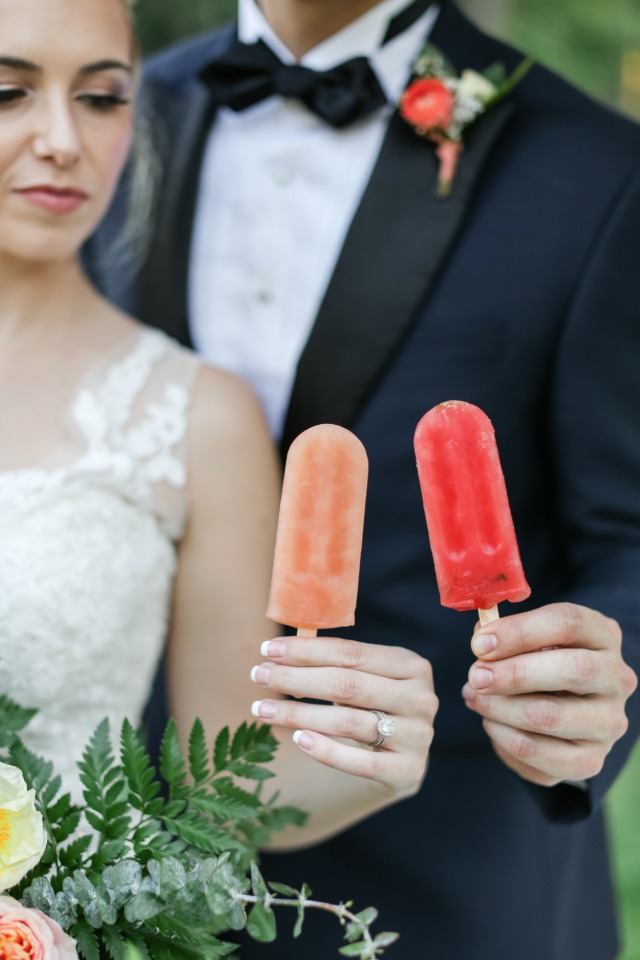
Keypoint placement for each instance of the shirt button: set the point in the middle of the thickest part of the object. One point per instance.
(264, 296)
(283, 175)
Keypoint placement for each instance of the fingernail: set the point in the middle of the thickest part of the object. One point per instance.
(480, 677)
(261, 674)
(468, 692)
(304, 740)
(273, 648)
(484, 643)
(266, 709)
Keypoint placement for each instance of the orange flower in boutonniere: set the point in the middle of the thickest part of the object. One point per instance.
(440, 105)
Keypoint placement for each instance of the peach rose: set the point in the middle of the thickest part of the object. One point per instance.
(427, 105)
(27, 934)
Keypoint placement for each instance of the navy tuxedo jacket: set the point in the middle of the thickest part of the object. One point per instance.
(519, 293)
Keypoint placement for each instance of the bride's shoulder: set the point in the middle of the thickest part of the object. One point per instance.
(225, 406)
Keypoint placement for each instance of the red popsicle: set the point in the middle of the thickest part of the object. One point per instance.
(471, 531)
(319, 540)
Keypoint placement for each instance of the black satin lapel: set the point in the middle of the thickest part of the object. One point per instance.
(397, 242)
(164, 277)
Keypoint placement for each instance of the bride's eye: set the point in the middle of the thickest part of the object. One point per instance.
(9, 95)
(103, 102)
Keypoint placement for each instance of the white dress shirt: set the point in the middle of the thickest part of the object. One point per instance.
(277, 193)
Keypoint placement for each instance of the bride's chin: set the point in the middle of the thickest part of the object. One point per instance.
(55, 246)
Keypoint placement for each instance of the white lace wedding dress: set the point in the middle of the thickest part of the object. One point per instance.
(87, 550)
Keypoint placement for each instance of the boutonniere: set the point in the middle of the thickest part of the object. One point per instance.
(440, 104)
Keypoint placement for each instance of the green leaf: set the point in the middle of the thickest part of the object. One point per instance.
(50, 791)
(203, 835)
(114, 943)
(172, 766)
(87, 898)
(282, 888)
(250, 771)
(87, 941)
(198, 753)
(60, 809)
(258, 885)
(64, 910)
(495, 74)
(221, 750)
(386, 939)
(68, 826)
(361, 949)
(13, 718)
(124, 878)
(367, 916)
(41, 895)
(227, 788)
(137, 767)
(108, 852)
(261, 923)
(71, 856)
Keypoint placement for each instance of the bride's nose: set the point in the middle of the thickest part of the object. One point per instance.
(57, 137)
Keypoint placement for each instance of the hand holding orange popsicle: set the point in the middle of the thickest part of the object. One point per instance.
(365, 695)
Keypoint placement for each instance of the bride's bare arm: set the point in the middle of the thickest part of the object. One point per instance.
(219, 627)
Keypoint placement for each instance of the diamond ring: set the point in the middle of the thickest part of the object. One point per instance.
(386, 729)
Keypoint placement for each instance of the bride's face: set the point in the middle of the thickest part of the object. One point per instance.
(66, 86)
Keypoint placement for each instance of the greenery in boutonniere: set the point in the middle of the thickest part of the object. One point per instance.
(441, 106)
(138, 870)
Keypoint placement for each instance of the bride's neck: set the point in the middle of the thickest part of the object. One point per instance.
(39, 300)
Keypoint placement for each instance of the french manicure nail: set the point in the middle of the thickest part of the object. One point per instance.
(265, 709)
(481, 677)
(261, 674)
(484, 643)
(273, 648)
(304, 740)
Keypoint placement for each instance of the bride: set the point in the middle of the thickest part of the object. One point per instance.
(139, 488)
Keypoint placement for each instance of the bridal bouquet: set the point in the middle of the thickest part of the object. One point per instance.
(151, 867)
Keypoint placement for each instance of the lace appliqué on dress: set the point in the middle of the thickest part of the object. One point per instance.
(87, 552)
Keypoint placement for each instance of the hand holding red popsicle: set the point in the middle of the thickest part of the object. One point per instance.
(551, 684)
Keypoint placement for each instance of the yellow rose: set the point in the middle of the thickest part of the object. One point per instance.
(22, 834)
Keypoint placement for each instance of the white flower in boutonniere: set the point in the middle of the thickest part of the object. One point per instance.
(440, 105)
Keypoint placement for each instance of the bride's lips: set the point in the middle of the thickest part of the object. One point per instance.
(58, 200)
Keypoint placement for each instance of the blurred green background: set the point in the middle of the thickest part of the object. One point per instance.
(596, 45)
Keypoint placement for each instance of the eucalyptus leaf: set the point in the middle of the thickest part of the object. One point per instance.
(261, 923)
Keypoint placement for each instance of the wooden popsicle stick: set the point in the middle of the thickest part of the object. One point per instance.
(303, 632)
(486, 616)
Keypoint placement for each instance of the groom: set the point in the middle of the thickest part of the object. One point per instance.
(311, 254)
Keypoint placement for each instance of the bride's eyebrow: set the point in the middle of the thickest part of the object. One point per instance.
(17, 63)
(102, 65)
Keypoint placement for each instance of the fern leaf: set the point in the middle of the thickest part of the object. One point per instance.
(198, 753)
(86, 940)
(137, 767)
(221, 750)
(114, 943)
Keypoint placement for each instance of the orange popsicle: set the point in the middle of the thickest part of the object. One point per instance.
(471, 531)
(319, 540)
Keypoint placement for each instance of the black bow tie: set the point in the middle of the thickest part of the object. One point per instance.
(248, 73)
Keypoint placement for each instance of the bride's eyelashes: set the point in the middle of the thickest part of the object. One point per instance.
(9, 95)
(99, 102)
(103, 102)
